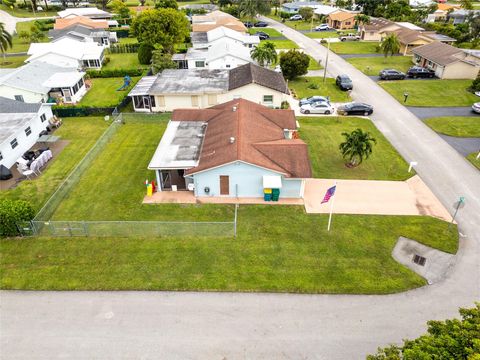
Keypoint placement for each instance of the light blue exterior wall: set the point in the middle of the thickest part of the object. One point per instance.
(245, 181)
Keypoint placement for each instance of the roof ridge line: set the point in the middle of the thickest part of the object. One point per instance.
(273, 161)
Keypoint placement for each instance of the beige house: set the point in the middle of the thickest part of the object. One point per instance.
(199, 89)
(447, 61)
(341, 20)
(215, 19)
(373, 30)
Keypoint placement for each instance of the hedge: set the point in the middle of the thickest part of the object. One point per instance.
(82, 110)
(12, 212)
(121, 33)
(107, 73)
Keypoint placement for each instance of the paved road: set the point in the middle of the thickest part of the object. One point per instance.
(11, 21)
(427, 112)
(116, 325)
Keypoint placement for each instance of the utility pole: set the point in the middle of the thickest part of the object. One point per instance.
(326, 61)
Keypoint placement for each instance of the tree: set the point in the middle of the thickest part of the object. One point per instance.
(357, 146)
(306, 12)
(224, 3)
(36, 34)
(161, 61)
(145, 53)
(24, 35)
(362, 19)
(165, 27)
(121, 9)
(265, 54)
(5, 40)
(166, 4)
(466, 4)
(12, 212)
(344, 4)
(103, 3)
(284, 15)
(294, 63)
(369, 6)
(390, 45)
(250, 8)
(449, 339)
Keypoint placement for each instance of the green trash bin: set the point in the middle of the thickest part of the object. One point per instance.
(275, 194)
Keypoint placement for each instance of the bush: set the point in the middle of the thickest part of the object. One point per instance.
(114, 73)
(145, 54)
(285, 105)
(313, 86)
(12, 212)
(106, 60)
(475, 85)
(294, 63)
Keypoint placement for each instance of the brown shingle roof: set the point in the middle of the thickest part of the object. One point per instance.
(259, 138)
(341, 15)
(250, 73)
(439, 53)
(377, 24)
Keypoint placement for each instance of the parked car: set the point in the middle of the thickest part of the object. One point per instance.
(420, 72)
(350, 37)
(261, 24)
(248, 24)
(476, 107)
(354, 108)
(262, 35)
(391, 74)
(296, 17)
(313, 99)
(319, 107)
(323, 27)
(344, 82)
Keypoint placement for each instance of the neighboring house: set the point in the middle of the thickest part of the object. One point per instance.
(447, 61)
(461, 16)
(80, 20)
(421, 3)
(38, 82)
(69, 53)
(196, 7)
(198, 89)
(323, 10)
(215, 19)
(20, 126)
(294, 7)
(89, 12)
(341, 20)
(202, 40)
(84, 33)
(222, 54)
(236, 149)
(441, 14)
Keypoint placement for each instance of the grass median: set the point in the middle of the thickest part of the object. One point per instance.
(372, 66)
(306, 86)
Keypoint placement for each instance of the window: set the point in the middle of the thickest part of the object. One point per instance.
(14, 143)
(199, 64)
(268, 98)
(348, 22)
(228, 66)
(152, 101)
(43, 118)
(420, 260)
(194, 100)
(212, 99)
(75, 89)
(1, 156)
(80, 83)
(19, 98)
(28, 131)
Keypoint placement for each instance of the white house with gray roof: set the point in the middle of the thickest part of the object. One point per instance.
(294, 7)
(84, 33)
(204, 40)
(40, 81)
(20, 126)
(199, 89)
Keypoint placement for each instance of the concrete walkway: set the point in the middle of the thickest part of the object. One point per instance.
(411, 197)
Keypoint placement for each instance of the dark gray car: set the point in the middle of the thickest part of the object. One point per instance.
(344, 82)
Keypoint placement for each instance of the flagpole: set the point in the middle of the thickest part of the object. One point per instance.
(331, 208)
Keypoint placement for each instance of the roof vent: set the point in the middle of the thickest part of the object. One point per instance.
(234, 109)
(232, 140)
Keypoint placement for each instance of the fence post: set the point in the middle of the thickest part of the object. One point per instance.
(235, 222)
(85, 228)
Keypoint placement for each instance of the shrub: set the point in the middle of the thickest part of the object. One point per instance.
(114, 73)
(475, 85)
(313, 86)
(11, 212)
(285, 105)
(145, 54)
(294, 63)
(106, 60)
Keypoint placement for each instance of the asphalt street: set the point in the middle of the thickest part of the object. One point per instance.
(427, 112)
(152, 325)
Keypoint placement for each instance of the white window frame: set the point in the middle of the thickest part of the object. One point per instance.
(14, 143)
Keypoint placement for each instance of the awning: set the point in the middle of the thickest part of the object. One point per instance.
(272, 182)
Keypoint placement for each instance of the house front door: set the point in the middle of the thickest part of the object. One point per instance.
(224, 185)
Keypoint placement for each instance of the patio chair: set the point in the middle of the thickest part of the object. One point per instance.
(55, 122)
(27, 173)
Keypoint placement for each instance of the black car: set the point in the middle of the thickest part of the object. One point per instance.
(344, 82)
(391, 74)
(261, 24)
(248, 24)
(354, 108)
(420, 72)
(262, 35)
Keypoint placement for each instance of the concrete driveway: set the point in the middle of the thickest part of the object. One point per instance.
(11, 21)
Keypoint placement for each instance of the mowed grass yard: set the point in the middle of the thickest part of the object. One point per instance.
(103, 92)
(462, 126)
(432, 92)
(473, 159)
(12, 62)
(278, 248)
(353, 47)
(329, 88)
(373, 65)
(123, 61)
(323, 136)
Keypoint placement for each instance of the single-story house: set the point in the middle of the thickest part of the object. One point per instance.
(324, 10)
(20, 126)
(215, 19)
(372, 31)
(447, 61)
(68, 53)
(196, 7)
(235, 149)
(89, 12)
(461, 16)
(294, 7)
(341, 20)
(198, 89)
(43, 82)
(84, 33)
(80, 20)
(421, 3)
(202, 40)
(222, 54)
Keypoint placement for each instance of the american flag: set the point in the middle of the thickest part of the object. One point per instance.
(330, 192)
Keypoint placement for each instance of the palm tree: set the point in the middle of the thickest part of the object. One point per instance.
(390, 45)
(250, 8)
(362, 19)
(357, 146)
(265, 54)
(5, 40)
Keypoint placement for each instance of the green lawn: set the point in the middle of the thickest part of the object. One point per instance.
(12, 61)
(300, 87)
(123, 61)
(473, 159)
(128, 40)
(24, 13)
(372, 66)
(432, 92)
(103, 92)
(81, 133)
(297, 25)
(267, 30)
(314, 65)
(462, 126)
(323, 136)
(284, 44)
(353, 47)
(321, 34)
